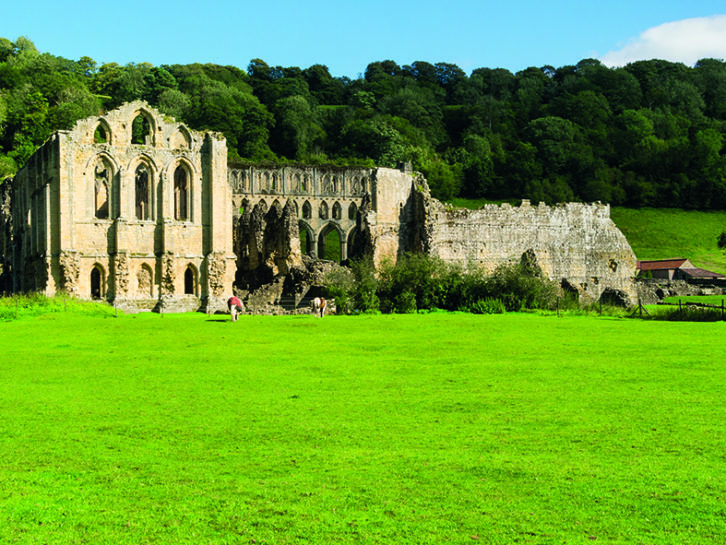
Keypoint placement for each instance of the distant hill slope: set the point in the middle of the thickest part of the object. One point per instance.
(660, 233)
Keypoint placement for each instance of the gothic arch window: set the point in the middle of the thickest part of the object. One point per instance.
(364, 185)
(307, 210)
(143, 192)
(336, 184)
(305, 182)
(98, 282)
(352, 211)
(181, 139)
(181, 194)
(323, 211)
(190, 280)
(297, 209)
(102, 135)
(337, 211)
(102, 175)
(141, 130)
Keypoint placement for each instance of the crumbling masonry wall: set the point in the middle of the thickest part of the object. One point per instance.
(575, 244)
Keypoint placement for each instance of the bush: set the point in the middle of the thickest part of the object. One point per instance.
(522, 286)
(365, 298)
(487, 306)
(340, 285)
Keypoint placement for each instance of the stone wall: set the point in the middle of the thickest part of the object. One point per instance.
(575, 244)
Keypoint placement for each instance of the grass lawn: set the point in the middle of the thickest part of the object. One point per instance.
(440, 428)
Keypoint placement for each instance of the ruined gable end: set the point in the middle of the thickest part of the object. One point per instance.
(128, 207)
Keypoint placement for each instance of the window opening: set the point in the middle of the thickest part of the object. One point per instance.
(140, 130)
(100, 136)
(181, 194)
(337, 211)
(101, 189)
(142, 193)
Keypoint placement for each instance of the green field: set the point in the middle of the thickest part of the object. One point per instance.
(439, 428)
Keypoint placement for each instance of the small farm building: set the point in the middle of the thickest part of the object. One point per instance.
(675, 269)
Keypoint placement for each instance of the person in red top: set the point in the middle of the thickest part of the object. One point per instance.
(235, 307)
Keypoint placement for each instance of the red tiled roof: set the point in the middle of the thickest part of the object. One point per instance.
(701, 273)
(661, 264)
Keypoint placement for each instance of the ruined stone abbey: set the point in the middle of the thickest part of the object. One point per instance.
(134, 208)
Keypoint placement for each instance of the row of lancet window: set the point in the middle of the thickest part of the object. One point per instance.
(268, 182)
(336, 212)
(142, 192)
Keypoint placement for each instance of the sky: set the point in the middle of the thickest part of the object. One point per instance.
(347, 36)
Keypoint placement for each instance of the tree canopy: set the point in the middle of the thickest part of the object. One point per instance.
(651, 133)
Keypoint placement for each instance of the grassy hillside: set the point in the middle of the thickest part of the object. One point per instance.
(663, 233)
(440, 428)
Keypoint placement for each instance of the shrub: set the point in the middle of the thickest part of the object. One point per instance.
(340, 285)
(487, 306)
(365, 298)
(522, 286)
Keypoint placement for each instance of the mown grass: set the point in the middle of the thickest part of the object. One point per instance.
(439, 428)
(715, 300)
(665, 233)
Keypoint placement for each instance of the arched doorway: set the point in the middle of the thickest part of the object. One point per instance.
(97, 282)
(190, 281)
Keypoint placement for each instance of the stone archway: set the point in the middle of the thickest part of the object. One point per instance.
(331, 243)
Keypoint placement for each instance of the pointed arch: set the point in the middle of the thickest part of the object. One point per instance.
(102, 133)
(98, 281)
(182, 192)
(323, 211)
(307, 238)
(145, 281)
(142, 129)
(191, 280)
(143, 185)
(352, 211)
(337, 211)
(103, 173)
(181, 138)
(330, 241)
(307, 211)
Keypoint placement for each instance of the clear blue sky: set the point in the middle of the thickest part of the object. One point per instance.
(346, 36)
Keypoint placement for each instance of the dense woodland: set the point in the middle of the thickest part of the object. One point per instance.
(648, 134)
